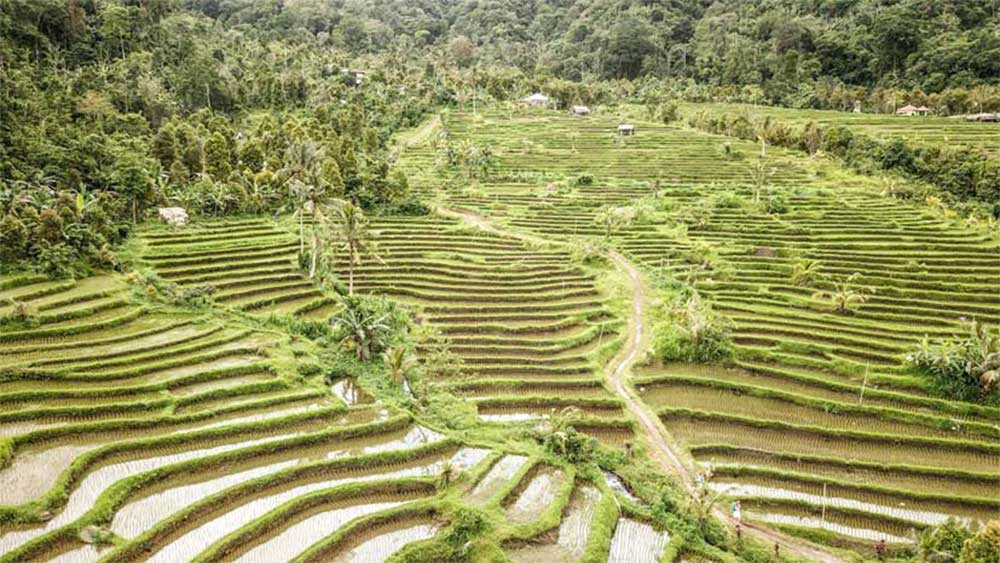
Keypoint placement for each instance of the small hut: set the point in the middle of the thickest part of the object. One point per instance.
(910, 110)
(537, 100)
(626, 130)
(580, 110)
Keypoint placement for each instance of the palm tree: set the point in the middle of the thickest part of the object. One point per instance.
(346, 225)
(805, 271)
(365, 328)
(302, 171)
(399, 362)
(846, 294)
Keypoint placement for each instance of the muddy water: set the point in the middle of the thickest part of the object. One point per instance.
(296, 538)
(34, 471)
(498, 475)
(636, 542)
(574, 532)
(200, 538)
(348, 390)
(616, 484)
(82, 498)
(86, 554)
(810, 522)
(140, 515)
(378, 548)
(513, 417)
(920, 516)
(537, 496)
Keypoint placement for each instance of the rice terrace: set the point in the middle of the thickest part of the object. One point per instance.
(430, 281)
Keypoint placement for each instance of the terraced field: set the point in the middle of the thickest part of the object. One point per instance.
(141, 433)
(250, 264)
(927, 130)
(816, 424)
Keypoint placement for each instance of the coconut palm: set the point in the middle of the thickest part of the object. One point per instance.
(398, 361)
(346, 227)
(846, 294)
(364, 328)
(302, 171)
(805, 271)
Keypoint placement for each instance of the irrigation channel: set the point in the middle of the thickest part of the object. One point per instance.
(654, 433)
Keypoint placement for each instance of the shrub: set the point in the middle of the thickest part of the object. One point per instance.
(942, 544)
(693, 333)
(984, 547)
(584, 180)
(728, 199)
(966, 368)
(777, 204)
(846, 294)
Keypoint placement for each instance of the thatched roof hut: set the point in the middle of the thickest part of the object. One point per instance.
(626, 129)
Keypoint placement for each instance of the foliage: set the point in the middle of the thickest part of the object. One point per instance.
(806, 271)
(984, 547)
(467, 525)
(692, 332)
(965, 367)
(369, 325)
(612, 219)
(345, 230)
(560, 438)
(846, 294)
(962, 174)
(942, 543)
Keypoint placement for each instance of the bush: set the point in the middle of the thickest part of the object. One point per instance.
(693, 333)
(984, 547)
(965, 368)
(777, 204)
(584, 180)
(943, 544)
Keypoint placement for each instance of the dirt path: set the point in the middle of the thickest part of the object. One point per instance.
(655, 433)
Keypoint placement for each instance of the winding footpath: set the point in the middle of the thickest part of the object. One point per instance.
(656, 435)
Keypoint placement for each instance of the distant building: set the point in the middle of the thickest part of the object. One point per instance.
(984, 117)
(537, 100)
(580, 110)
(357, 75)
(626, 130)
(912, 110)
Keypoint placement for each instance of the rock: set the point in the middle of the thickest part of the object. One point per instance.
(94, 534)
(174, 216)
(765, 251)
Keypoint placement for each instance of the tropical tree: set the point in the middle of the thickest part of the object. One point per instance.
(302, 172)
(345, 226)
(760, 172)
(398, 361)
(369, 325)
(846, 294)
(806, 271)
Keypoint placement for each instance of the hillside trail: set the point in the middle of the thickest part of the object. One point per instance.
(656, 435)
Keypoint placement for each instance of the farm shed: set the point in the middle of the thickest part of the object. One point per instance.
(626, 129)
(912, 110)
(537, 100)
(580, 110)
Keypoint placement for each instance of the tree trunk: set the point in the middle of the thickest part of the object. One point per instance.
(134, 213)
(302, 232)
(350, 278)
(315, 252)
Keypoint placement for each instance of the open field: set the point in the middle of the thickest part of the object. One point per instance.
(925, 130)
(816, 400)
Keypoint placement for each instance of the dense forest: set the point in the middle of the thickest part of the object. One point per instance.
(226, 106)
